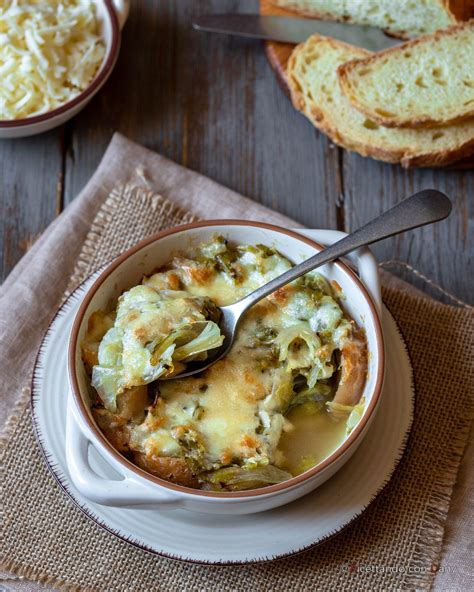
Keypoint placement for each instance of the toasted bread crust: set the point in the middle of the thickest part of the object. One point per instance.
(435, 159)
(458, 10)
(344, 72)
(406, 158)
(171, 469)
(326, 16)
(354, 364)
(440, 159)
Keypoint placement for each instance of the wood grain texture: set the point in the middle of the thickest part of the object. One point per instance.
(212, 103)
(278, 54)
(31, 177)
(443, 251)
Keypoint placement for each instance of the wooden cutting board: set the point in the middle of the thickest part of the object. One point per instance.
(278, 55)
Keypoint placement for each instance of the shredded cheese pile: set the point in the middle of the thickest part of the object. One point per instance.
(50, 50)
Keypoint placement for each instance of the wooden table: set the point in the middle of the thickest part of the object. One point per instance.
(212, 104)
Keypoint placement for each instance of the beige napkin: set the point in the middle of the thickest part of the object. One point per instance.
(35, 287)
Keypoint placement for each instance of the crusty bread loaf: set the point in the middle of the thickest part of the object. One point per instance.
(312, 77)
(423, 83)
(402, 18)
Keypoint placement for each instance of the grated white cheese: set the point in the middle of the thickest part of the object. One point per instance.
(50, 50)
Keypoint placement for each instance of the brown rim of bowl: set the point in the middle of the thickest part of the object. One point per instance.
(290, 483)
(101, 77)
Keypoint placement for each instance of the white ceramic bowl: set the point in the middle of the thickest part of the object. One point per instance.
(112, 15)
(135, 487)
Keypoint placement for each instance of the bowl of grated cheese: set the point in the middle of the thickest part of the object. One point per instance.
(55, 55)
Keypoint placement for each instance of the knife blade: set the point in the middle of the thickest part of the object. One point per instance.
(293, 30)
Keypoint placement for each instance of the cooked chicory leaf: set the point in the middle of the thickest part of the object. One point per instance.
(327, 316)
(353, 413)
(339, 408)
(207, 338)
(108, 382)
(153, 330)
(319, 393)
(298, 346)
(240, 478)
(317, 283)
(281, 396)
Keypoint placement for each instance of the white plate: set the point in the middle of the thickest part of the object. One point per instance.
(202, 538)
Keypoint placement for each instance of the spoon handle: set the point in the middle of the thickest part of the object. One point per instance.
(424, 207)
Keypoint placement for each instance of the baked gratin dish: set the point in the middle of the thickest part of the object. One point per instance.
(279, 403)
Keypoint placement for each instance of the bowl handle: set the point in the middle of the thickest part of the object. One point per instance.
(127, 492)
(122, 8)
(362, 258)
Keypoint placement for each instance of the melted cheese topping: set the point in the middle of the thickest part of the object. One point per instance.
(281, 364)
(153, 329)
(228, 396)
(200, 280)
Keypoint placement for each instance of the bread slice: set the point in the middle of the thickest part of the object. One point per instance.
(423, 83)
(401, 18)
(312, 77)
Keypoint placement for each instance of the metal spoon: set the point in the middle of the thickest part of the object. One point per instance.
(424, 207)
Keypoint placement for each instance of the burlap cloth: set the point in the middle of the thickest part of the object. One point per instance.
(399, 538)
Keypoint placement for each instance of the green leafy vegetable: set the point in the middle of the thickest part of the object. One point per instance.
(352, 413)
(355, 415)
(108, 382)
(153, 331)
(279, 400)
(318, 394)
(317, 283)
(208, 338)
(240, 478)
(298, 345)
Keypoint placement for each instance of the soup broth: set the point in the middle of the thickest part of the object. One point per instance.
(315, 435)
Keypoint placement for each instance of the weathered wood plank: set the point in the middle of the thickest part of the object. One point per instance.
(444, 251)
(212, 103)
(30, 192)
